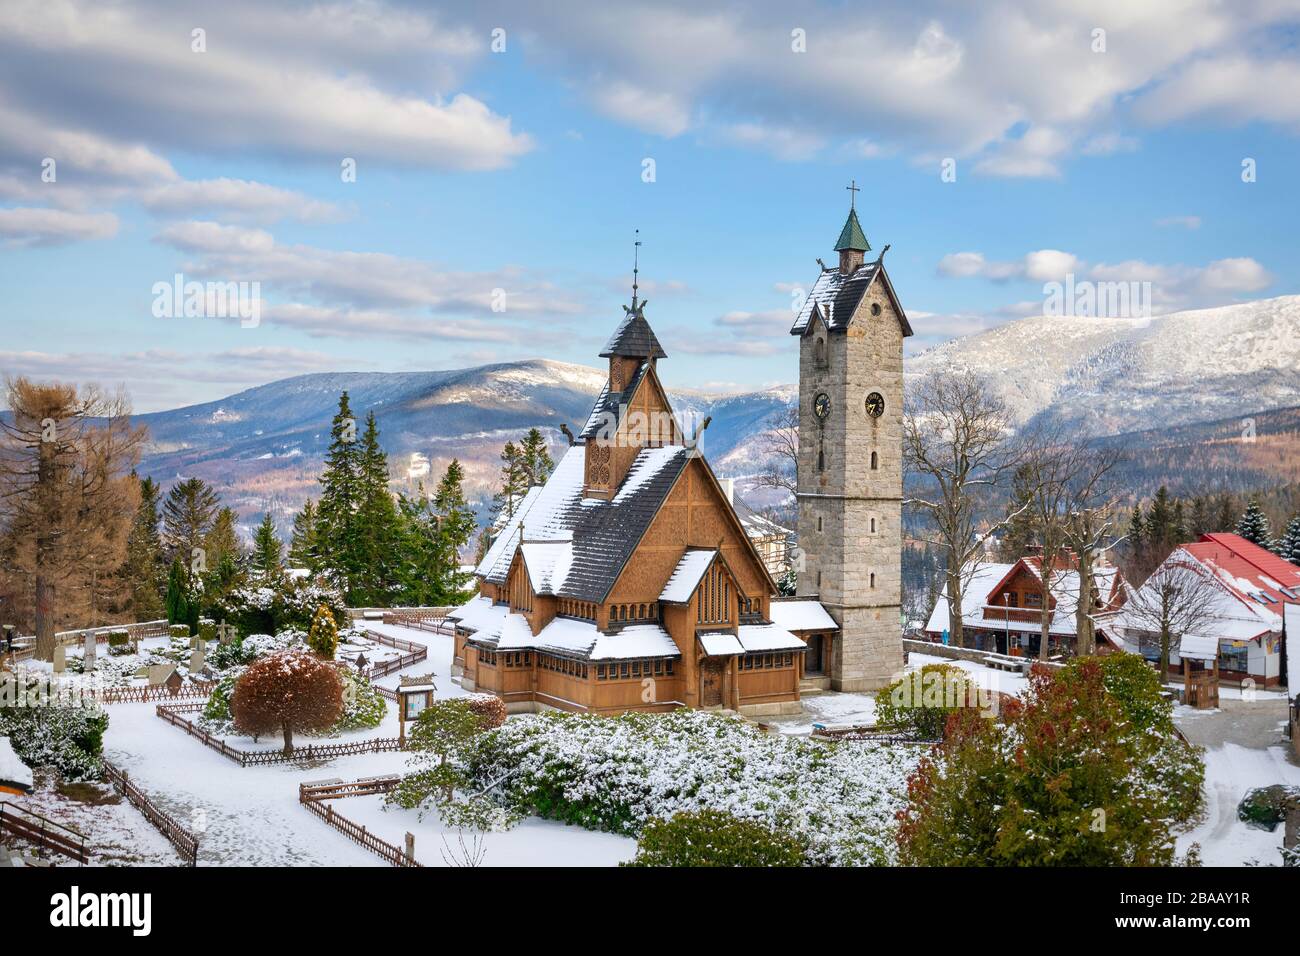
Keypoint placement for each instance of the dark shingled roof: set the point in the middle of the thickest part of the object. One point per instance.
(835, 297)
(605, 413)
(634, 338)
(602, 534)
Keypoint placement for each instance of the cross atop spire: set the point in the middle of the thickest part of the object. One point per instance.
(853, 189)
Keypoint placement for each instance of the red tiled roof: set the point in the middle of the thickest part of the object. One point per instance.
(1248, 563)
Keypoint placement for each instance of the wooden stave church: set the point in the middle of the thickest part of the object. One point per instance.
(627, 581)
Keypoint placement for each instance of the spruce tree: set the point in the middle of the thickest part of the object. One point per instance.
(145, 567)
(302, 543)
(1225, 515)
(378, 525)
(1253, 525)
(534, 459)
(458, 522)
(1019, 535)
(222, 541)
(267, 550)
(514, 485)
(1202, 518)
(188, 514)
(336, 514)
(1160, 520)
(1288, 546)
(177, 602)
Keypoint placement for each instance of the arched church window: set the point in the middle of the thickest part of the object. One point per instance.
(873, 525)
(819, 352)
(873, 579)
(875, 461)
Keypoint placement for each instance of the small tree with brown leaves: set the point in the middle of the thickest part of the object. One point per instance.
(290, 691)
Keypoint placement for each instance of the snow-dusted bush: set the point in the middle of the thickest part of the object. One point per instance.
(716, 838)
(619, 773)
(363, 706)
(66, 737)
(281, 603)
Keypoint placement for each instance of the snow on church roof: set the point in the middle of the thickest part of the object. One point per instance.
(564, 635)
(686, 576)
(601, 534)
(802, 616)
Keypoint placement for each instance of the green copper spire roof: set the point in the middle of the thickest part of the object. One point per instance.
(851, 236)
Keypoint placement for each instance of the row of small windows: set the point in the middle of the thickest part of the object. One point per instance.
(562, 665)
(633, 612)
(584, 610)
(713, 605)
(760, 662)
(635, 670)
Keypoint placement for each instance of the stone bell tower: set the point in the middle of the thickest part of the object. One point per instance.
(851, 330)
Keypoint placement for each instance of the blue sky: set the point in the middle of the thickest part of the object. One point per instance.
(522, 170)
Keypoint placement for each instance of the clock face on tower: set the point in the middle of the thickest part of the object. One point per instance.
(822, 405)
(875, 405)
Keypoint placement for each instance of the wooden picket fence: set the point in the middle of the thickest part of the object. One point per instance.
(43, 831)
(193, 690)
(185, 842)
(255, 758)
(138, 632)
(313, 796)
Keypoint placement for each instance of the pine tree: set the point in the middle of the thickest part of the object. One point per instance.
(336, 514)
(177, 602)
(534, 459)
(302, 543)
(1178, 527)
(267, 550)
(514, 485)
(1202, 518)
(1288, 546)
(1160, 521)
(145, 568)
(222, 542)
(378, 525)
(188, 514)
(1224, 518)
(1019, 536)
(1253, 525)
(458, 522)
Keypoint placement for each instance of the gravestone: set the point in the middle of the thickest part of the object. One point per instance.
(158, 673)
(60, 659)
(196, 659)
(88, 653)
(225, 632)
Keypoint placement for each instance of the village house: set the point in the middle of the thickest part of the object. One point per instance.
(771, 540)
(1247, 619)
(1002, 605)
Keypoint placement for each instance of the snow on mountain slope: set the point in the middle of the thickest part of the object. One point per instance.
(1118, 375)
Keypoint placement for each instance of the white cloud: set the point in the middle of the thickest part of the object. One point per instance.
(30, 226)
(1041, 265)
(1184, 222)
(239, 198)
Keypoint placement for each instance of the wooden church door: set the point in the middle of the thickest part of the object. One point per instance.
(711, 683)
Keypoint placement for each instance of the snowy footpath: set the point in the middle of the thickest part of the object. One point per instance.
(251, 816)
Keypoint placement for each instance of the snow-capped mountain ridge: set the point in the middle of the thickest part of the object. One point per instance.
(1119, 374)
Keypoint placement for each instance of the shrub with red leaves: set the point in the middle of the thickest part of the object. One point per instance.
(1060, 778)
(490, 707)
(287, 692)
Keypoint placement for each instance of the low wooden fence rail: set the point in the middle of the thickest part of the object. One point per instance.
(313, 796)
(395, 642)
(42, 831)
(254, 758)
(399, 663)
(185, 842)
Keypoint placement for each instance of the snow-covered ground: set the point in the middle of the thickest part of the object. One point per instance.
(534, 842)
(1231, 771)
(251, 816)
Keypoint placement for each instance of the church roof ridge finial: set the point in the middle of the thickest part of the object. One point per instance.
(636, 268)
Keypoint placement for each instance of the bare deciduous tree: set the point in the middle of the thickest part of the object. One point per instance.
(1069, 501)
(779, 446)
(66, 495)
(1180, 597)
(957, 439)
